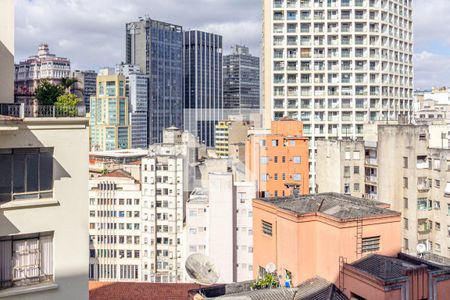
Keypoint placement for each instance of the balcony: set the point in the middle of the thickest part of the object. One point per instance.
(371, 161)
(42, 111)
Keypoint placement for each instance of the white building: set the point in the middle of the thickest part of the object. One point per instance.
(115, 227)
(7, 51)
(137, 93)
(30, 72)
(219, 225)
(337, 64)
(43, 207)
(167, 179)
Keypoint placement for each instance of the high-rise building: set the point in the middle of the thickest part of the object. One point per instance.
(109, 120)
(30, 72)
(203, 83)
(157, 48)
(167, 176)
(137, 93)
(406, 166)
(43, 231)
(277, 159)
(241, 83)
(7, 51)
(337, 64)
(86, 86)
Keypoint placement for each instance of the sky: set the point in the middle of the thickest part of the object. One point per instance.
(91, 33)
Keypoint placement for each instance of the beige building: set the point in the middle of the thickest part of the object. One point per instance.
(43, 207)
(229, 133)
(109, 119)
(7, 51)
(405, 166)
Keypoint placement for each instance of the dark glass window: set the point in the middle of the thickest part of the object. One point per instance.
(26, 173)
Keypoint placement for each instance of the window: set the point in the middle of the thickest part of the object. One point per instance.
(405, 182)
(274, 143)
(405, 223)
(275, 159)
(437, 226)
(371, 244)
(26, 259)
(437, 205)
(283, 159)
(423, 204)
(297, 160)
(346, 171)
(438, 248)
(262, 143)
(264, 177)
(267, 228)
(405, 244)
(356, 155)
(422, 137)
(405, 162)
(355, 170)
(356, 187)
(405, 202)
(297, 177)
(264, 160)
(275, 176)
(347, 155)
(26, 173)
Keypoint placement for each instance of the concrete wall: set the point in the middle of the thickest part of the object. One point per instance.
(311, 245)
(7, 51)
(221, 223)
(66, 214)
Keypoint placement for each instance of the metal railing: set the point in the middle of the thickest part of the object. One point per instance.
(41, 111)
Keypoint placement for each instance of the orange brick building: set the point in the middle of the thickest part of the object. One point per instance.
(306, 236)
(278, 159)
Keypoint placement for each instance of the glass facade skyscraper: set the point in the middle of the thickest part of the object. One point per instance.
(241, 80)
(203, 83)
(157, 47)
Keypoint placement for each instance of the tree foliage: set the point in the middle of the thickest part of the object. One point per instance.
(66, 105)
(68, 83)
(47, 93)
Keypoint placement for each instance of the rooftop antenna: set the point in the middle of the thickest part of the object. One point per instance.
(201, 269)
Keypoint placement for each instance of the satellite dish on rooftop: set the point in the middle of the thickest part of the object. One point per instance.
(421, 248)
(201, 269)
(270, 268)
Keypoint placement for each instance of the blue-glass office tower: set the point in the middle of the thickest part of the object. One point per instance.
(157, 48)
(203, 84)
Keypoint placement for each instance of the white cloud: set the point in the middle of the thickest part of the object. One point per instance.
(91, 32)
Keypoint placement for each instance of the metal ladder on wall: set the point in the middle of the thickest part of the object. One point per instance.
(359, 236)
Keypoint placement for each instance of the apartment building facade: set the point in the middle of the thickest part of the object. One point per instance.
(219, 224)
(229, 133)
(115, 228)
(241, 75)
(405, 166)
(277, 159)
(109, 119)
(157, 48)
(335, 65)
(43, 221)
(30, 72)
(203, 83)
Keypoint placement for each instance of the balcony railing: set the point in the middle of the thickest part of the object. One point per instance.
(41, 111)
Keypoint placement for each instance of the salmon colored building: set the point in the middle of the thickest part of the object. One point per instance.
(397, 278)
(278, 159)
(313, 235)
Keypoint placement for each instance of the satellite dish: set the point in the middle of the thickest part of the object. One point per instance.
(201, 269)
(271, 268)
(421, 248)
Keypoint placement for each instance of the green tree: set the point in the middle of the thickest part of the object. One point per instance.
(47, 93)
(68, 83)
(66, 105)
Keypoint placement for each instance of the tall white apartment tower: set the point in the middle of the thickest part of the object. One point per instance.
(337, 64)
